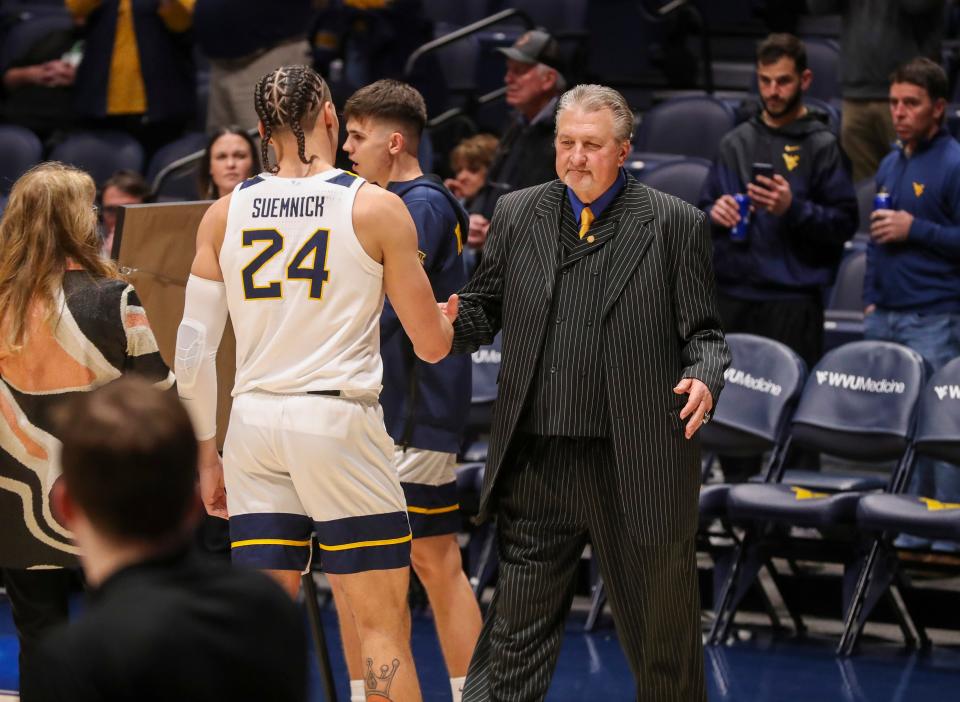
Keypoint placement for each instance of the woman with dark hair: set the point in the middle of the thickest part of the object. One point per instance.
(68, 324)
(230, 157)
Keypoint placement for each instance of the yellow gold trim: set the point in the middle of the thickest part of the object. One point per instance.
(364, 544)
(269, 542)
(433, 510)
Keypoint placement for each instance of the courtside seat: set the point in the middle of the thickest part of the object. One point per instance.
(682, 178)
(886, 515)
(938, 437)
(859, 403)
(832, 482)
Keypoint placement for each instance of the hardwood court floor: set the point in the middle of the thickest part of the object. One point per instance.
(757, 668)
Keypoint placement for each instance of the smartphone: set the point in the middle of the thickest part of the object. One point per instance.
(761, 169)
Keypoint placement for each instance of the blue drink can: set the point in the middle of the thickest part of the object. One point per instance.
(882, 201)
(741, 229)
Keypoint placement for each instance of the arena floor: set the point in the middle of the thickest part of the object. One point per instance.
(756, 668)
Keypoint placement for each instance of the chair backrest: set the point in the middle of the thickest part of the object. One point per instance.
(760, 393)
(847, 291)
(21, 150)
(460, 12)
(23, 35)
(486, 368)
(691, 125)
(823, 58)
(938, 426)
(866, 189)
(682, 178)
(100, 153)
(860, 401)
(833, 113)
(181, 185)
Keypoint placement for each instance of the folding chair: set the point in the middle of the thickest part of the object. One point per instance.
(891, 513)
(858, 403)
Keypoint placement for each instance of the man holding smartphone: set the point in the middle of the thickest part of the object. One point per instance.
(772, 273)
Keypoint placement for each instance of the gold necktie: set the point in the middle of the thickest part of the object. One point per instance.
(586, 219)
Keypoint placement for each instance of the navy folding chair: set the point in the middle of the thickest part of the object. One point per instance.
(892, 513)
(180, 183)
(100, 153)
(682, 178)
(21, 150)
(843, 316)
(481, 556)
(691, 126)
(858, 403)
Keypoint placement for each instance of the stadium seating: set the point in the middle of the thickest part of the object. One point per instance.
(859, 404)
(100, 153)
(558, 16)
(23, 35)
(690, 126)
(182, 184)
(21, 150)
(885, 515)
(843, 316)
(682, 178)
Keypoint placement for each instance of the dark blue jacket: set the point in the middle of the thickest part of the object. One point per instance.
(922, 273)
(166, 61)
(797, 254)
(425, 405)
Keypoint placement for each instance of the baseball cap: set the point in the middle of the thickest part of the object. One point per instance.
(535, 46)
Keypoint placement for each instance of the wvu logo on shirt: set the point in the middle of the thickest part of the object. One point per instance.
(422, 256)
(790, 158)
(918, 188)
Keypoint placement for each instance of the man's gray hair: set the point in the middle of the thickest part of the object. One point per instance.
(593, 98)
(561, 83)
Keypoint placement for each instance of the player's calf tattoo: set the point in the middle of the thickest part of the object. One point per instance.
(377, 686)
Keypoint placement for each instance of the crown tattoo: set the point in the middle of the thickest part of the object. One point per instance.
(378, 686)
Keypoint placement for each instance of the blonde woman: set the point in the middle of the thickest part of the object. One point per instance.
(68, 324)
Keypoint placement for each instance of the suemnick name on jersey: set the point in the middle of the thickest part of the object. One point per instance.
(302, 206)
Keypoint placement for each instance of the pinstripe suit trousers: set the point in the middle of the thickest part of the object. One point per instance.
(553, 495)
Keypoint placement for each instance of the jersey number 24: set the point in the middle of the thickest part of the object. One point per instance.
(316, 273)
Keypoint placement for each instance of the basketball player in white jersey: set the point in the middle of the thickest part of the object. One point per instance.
(300, 256)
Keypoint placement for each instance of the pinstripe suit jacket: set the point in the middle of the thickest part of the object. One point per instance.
(660, 323)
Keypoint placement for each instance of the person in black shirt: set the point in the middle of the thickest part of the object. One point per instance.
(161, 624)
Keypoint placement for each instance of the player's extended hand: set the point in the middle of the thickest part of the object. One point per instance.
(890, 226)
(771, 194)
(698, 404)
(212, 491)
(449, 308)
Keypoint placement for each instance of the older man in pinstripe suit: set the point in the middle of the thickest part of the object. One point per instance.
(612, 359)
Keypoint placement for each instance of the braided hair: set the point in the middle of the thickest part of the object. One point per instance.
(288, 98)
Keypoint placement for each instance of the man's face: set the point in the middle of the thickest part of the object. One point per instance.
(527, 86)
(113, 198)
(368, 146)
(589, 155)
(781, 86)
(915, 115)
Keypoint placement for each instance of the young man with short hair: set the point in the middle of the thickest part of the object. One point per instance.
(161, 623)
(425, 406)
(912, 286)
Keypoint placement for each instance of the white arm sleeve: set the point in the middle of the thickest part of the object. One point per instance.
(195, 363)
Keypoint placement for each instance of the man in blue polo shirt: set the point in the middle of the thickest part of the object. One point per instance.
(912, 286)
(425, 405)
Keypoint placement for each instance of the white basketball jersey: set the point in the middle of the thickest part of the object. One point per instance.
(304, 297)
